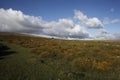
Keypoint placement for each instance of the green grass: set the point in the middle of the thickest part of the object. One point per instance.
(34, 58)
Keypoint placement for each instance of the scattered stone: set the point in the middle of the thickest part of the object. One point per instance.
(118, 56)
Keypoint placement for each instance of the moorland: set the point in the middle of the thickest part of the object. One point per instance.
(26, 57)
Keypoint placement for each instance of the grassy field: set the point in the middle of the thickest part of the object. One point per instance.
(25, 57)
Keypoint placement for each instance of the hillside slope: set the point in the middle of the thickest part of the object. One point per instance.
(25, 57)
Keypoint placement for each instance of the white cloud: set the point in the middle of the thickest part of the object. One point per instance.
(109, 21)
(103, 31)
(15, 21)
(115, 21)
(66, 28)
(89, 22)
(105, 35)
(117, 36)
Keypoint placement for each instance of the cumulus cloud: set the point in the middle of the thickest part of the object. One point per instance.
(15, 21)
(66, 28)
(89, 22)
(114, 36)
(105, 35)
(103, 31)
(117, 36)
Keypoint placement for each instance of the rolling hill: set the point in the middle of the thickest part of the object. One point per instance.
(26, 57)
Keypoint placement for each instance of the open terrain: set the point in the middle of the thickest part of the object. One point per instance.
(25, 57)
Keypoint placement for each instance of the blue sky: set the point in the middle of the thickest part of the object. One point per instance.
(105, 12)
(55, 9)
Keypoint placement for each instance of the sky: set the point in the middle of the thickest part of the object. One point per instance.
(67, 19)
